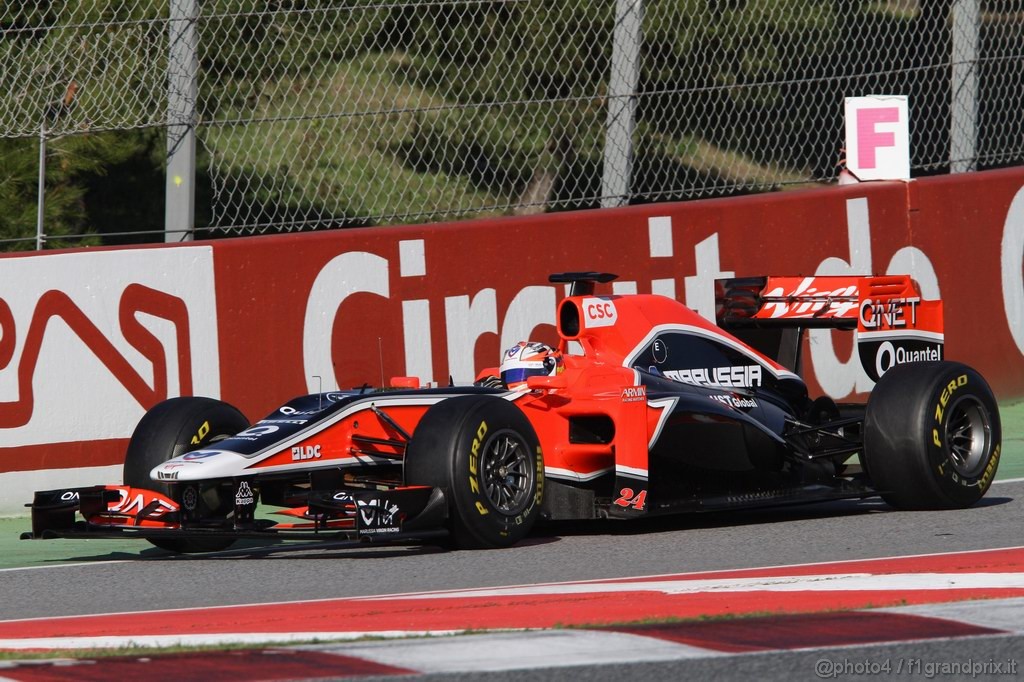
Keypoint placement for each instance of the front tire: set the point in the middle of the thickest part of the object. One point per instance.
(483, 452)
(932, 436)
(170, 429)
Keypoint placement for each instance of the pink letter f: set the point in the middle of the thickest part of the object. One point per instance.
(869, 139)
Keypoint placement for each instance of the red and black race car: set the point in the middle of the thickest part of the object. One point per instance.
(653, 410)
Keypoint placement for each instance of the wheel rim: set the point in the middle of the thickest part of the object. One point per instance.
(968, 435)
(507, 472)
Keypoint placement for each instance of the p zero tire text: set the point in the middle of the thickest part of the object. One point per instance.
(932, 436)
(483, 453)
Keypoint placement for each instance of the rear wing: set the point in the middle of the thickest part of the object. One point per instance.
(893, 323)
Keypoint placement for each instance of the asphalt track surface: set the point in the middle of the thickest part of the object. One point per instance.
(151, 579)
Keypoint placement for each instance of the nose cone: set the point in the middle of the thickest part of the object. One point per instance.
(200, 465)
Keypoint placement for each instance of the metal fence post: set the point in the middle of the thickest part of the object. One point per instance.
(963, 105)
(182, 93)
(622, 85)
(41, 197)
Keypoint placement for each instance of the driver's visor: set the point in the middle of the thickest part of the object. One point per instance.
(520, 374)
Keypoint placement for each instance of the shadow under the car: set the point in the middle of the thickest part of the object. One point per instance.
(732, 518)
(991, 502)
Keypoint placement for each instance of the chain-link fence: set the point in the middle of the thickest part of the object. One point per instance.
(327, 113)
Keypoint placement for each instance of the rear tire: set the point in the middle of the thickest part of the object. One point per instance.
(483, 453)
(932, 436)
(170, 429)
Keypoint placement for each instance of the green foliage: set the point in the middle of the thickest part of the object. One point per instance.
(77, 67)
(247, 47)
(77, 72)
(742, 42)
(528, 77)
(510, 51)
(76, 167)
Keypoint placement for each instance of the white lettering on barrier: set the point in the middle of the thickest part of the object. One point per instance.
(419, 352)
(838, 377)
(466, 321)
(530, 308)
(344, 275)
(466, 318)
(412, 261)
(912, 260)
(362, 272)
(1012, 267)
(700, 288)
(659, 236)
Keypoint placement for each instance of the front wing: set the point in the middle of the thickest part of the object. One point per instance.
(346, 513)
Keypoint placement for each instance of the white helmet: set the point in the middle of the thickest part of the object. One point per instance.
(529, 359)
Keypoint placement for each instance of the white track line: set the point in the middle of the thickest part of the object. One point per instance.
(74, 565)
(218, 639)
(852, 582)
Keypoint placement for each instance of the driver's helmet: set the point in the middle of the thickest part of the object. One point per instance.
(529, 359)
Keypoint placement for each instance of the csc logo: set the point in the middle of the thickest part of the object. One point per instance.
(599, 312)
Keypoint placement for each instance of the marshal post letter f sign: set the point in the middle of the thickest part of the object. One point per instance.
(878, 137)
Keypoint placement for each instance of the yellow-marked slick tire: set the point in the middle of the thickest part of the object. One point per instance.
(170, 429)
(932, 436)
(484, 454)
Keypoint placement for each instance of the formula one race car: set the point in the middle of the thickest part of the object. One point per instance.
(651, 410)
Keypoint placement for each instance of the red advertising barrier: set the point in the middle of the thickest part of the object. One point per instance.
(89, 339)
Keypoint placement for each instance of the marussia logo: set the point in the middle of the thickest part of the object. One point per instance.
(741, 376)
